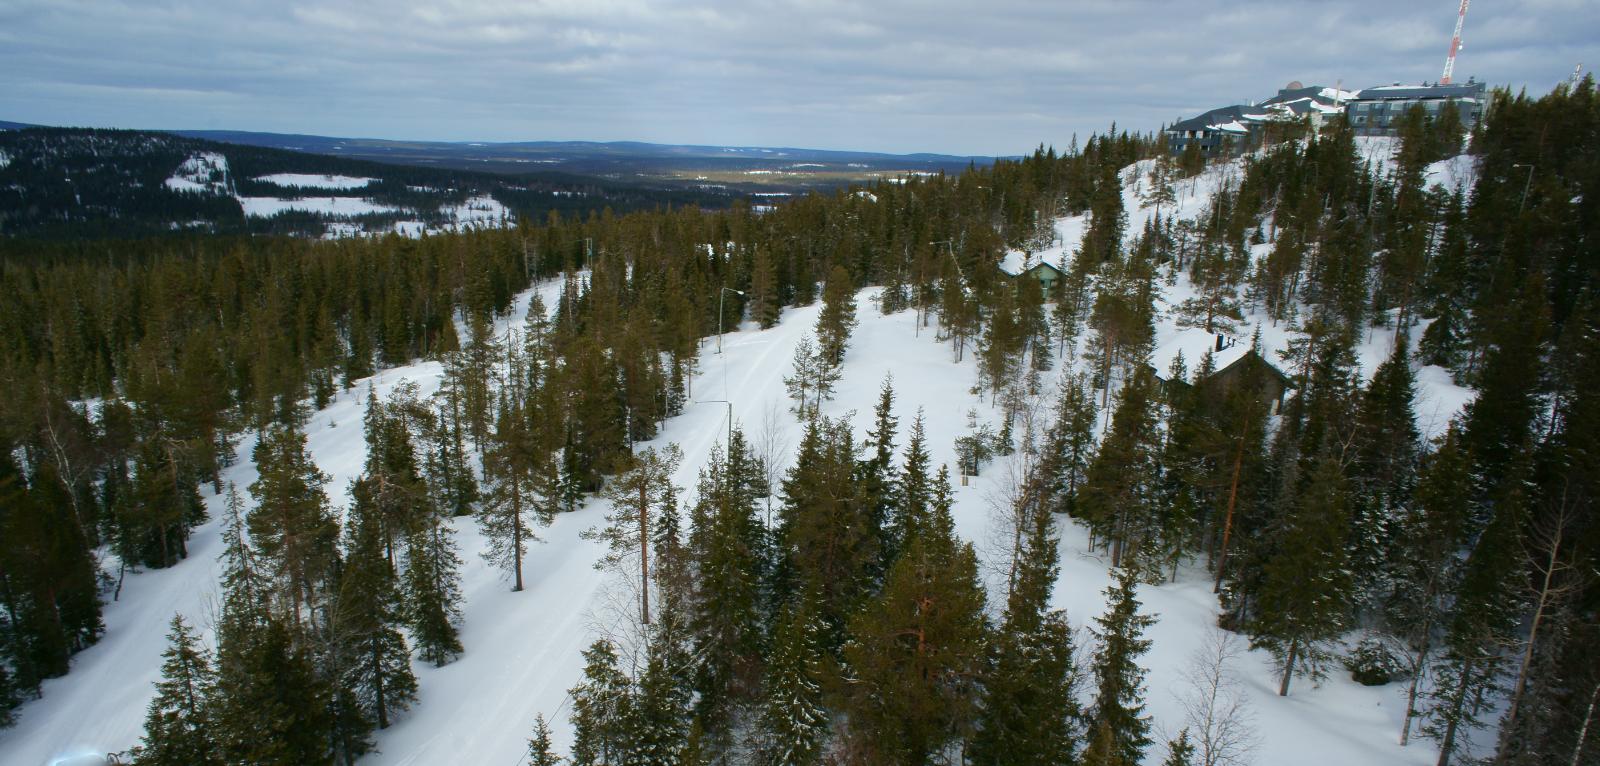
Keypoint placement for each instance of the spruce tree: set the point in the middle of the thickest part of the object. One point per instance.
(540, 751)
(916, 650)
(1304, 598)
(374, 657)
(837, 318)
(728, 545)
(601, 703)
(431, 591)
(1120, 730)
(177, 727)
(1069, 445)
(1030, 708)
(1119, 489)
(794, 722)
(876, 474)
(1180, 751)
(274, 709)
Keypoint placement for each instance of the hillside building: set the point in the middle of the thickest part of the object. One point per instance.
(1377, 111)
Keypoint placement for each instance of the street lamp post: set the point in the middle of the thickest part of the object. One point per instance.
(721, 296)
(1525, 185)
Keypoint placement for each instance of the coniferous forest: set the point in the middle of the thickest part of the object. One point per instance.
(830, 612)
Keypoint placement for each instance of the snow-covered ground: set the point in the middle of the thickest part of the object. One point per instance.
(205, 173)
(5, 160)
(1459, 173)
(313, 181)
(266, 207)
(482, 210)
(522, 649)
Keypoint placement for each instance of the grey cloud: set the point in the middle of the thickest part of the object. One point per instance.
(997, 77)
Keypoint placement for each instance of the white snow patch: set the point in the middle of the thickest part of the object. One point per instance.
(1459, 173)
(266, 207)
(309, 181)
(5, 160)
(479, 211)
(1379, 152)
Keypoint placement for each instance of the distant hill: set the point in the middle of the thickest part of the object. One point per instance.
(744, 168)
(74, 182)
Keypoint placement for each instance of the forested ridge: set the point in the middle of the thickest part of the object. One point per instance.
(855, 628)
(91, 184)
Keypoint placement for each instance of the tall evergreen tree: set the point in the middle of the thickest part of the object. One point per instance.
(431, 591)
(793, 725)
(837, 318)
(374, 657)
(916, 652)
(1030, 710)
(1304, 597)
(644, 489)
(1119, 728)
(291, 526)
(177, 728)
(601, 704)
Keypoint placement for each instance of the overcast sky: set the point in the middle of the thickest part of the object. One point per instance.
(986, 78)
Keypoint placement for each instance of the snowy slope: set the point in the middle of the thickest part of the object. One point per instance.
(522, 649)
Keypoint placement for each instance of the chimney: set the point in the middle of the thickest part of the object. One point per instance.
(1219, 341)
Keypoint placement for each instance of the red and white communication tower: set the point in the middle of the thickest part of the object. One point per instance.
(1455, 44)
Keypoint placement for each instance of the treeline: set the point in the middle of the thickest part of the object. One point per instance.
(854, 627)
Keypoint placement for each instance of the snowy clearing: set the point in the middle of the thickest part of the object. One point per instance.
(310, 181)
(266, 207)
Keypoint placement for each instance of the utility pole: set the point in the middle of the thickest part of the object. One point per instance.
(1525, 186)
(720, 297)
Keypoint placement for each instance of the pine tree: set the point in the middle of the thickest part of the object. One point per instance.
(913, 492)
(1069, 445)
(1119, 489)
(916, 651)
(803, 380)
(1030, 710)
(291, 525)
(824, 542)
(794, 723)
(645, 488)
(1467, 678)
(177, 728)
(513, 467)
(1121, 730)
(274, 709)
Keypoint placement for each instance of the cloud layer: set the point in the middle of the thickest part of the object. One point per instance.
(998, 77)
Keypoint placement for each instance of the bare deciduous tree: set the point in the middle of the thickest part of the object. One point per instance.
(1217, 712)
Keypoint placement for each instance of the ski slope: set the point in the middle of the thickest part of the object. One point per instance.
(522, 649)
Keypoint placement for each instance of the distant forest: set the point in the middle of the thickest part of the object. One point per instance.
(1468, 561)
(74, 183)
